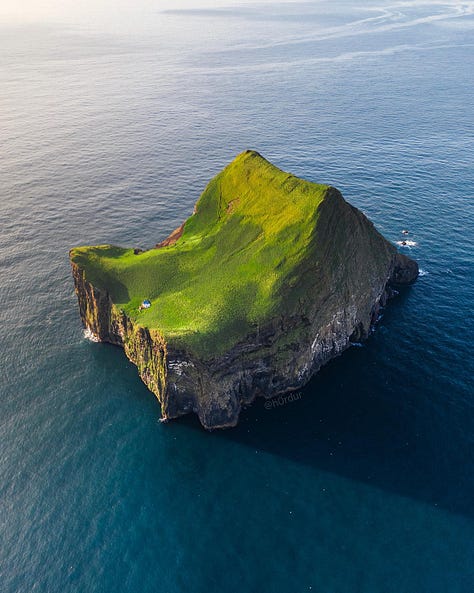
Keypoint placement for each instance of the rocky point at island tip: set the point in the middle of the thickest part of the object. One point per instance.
(267, 280)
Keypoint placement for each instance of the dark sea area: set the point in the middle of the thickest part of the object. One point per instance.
(113, 117)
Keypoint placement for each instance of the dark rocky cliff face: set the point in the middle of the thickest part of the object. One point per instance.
(281, 356)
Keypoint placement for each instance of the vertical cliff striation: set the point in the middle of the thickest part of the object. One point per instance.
(146, 348)
(292, 275)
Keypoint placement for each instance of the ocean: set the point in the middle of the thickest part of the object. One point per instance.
(113, 117)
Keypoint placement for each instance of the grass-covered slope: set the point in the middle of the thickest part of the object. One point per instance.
(251, 252)
(231, 269)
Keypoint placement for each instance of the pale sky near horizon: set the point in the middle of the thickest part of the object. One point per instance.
(34, 11)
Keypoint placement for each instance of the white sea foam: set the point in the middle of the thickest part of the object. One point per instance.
(407, 243)
(422, 272)
(343, 57)
(384, 19)
(90, 335)
(397, 16)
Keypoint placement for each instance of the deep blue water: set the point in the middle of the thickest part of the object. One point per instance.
(112, 120)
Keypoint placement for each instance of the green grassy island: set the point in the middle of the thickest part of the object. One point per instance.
(270, 277)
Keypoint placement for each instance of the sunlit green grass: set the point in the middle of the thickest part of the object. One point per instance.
(230, 269)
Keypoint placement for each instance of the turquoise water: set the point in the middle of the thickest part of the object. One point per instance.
(111, 122)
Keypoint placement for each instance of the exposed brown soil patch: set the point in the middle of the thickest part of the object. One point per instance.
(171, 240)
(231, 204)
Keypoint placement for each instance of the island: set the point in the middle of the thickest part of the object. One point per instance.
(271, 277)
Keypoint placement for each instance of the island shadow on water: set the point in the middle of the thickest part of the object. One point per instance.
(365, 423)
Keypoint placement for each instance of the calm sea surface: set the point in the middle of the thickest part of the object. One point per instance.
(112, 120)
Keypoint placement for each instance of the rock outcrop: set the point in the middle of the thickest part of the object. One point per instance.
(315, 294)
